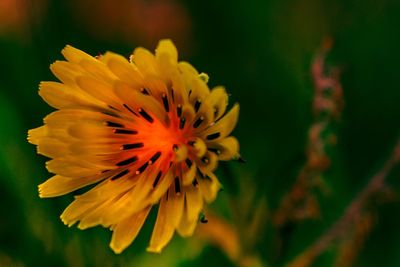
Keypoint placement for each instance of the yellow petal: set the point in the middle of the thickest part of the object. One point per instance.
(162, 186)
(227, 148)
(145, 61)
(90, 130)
(60, 96)
(60, 185)
(65, 117)
(107, 190)
(188, 114)
(188, 70)
(136, 100)
(194, 202)
(209, 187)
(70, 167)
(111, 212)
(189, 174)
(206, 113)
(95, 147)
(200, 90)
(60, 118)
(98, 70)
(99, 90)
(218, 100)
(51, 147)
(175, 204)
(178, 85)
(167, 47)
(139, 197)
(199, 148)
(126, 230)
(224, 126)
(123, 69)
(192, 208)
(34, 135)
(104, 204)
(181, 153)
(75, 55)
(207, 163)
(76, 210)
(95, 215)
(186, 227)
(129, 205)
(156, 86)
(167, 58)
(163, 229)
(66, 72)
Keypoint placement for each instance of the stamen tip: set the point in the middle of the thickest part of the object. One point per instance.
(241, 159)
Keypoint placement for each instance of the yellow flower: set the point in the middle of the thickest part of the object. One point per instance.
(148, 132)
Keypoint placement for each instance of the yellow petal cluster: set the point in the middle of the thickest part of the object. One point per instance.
(147, 131)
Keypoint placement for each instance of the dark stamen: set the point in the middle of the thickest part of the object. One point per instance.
(214, 150)
(110, 113)
(182, 123)
(172, 95)
(191, 143)
(179, 110)
(132, 146)
(203, 219)
(155, 157)
(145, 115)
(190, 92)
(165, 102)
(177, 185)
(157, 179)
(119, 175)
(195, 183)
(207, 178)
(112, 107)
(127, 161)
(188, 163)
(142, 168)
(144, 91)
(213, 136)
(200, 173)
(198, 122)
(124, 131)
(197, 105)
(114, 124)
(130, 110)
(205, 160)
(215, 111)
(241, 160)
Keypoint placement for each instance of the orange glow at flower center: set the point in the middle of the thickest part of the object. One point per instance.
(166, 138)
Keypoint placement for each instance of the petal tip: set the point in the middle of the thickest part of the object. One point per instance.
(166, 46)
(40, 191)
(117, 249)
(154, 249)
(73, 54)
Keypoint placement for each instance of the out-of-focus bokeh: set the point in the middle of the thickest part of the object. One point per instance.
(318, 84)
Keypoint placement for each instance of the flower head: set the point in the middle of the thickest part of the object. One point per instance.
(146, 131)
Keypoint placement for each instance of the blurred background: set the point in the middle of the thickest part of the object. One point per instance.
(314, 130)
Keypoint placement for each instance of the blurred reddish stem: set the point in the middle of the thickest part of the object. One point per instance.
(299, 203)
(352, 213)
